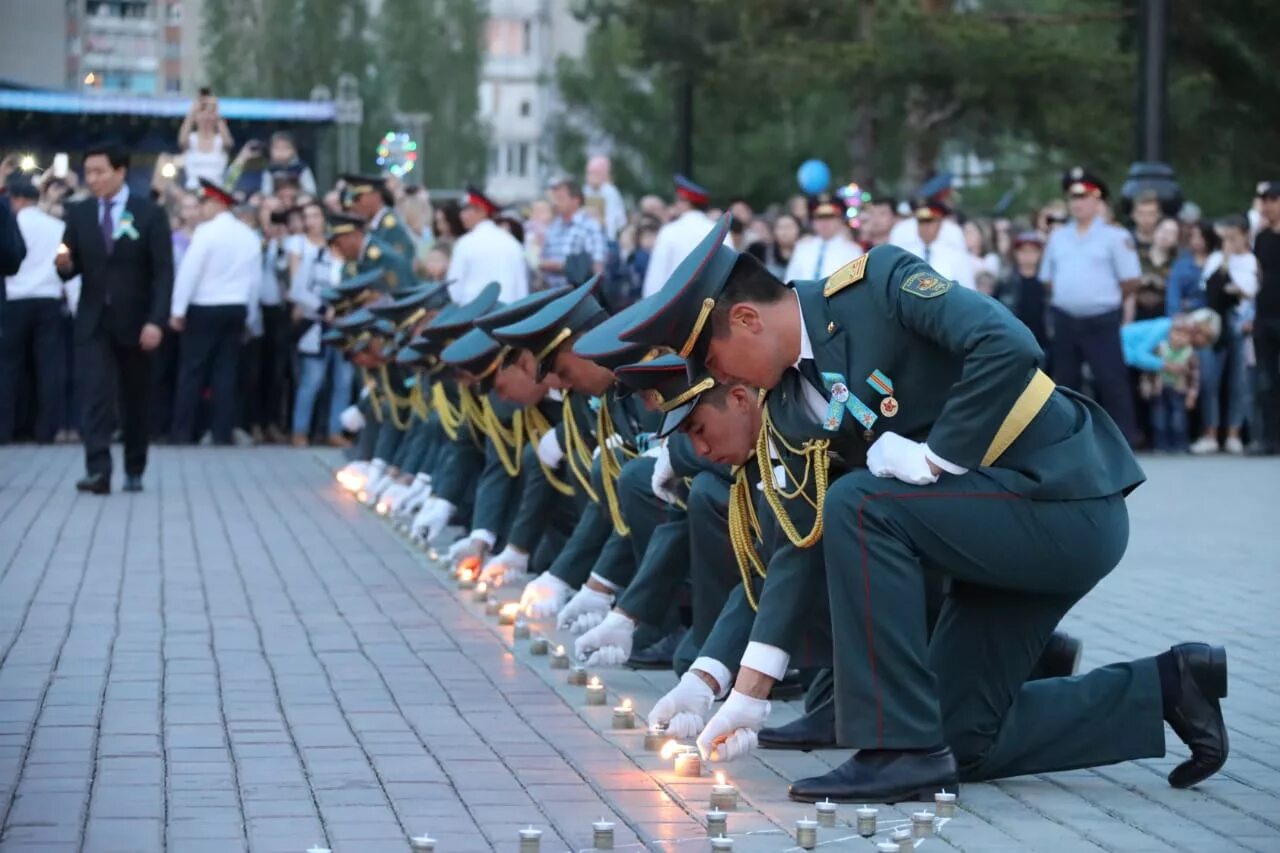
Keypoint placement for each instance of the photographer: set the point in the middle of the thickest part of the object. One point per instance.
(204, 140)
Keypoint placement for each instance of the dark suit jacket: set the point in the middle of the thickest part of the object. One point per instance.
(128, 287)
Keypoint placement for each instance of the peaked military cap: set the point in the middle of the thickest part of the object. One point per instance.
(410, 307)
(476, 198)
(1076, 181)
(677, 316)
(937, 187)
(477, 354)
(692, 192)
(545, 330)
(826, 205)
(355, 185)
(668, 376)
(337, 224)
(456, 319)
(210, 190)
(604, 344)
(929, 210)
(354, 321)
(521, 308)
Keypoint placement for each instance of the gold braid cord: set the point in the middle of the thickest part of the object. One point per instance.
(537, 425)
(816, 462)
(577, 453)
(394, 402)
(371, 385)
(507, 443)
(744, 532)
(610, 466)
(473, 413)
(450, 415)
(417, 402)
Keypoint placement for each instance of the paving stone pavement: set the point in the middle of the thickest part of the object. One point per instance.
(243, 659)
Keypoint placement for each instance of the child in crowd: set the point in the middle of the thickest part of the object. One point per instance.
(1173, 390)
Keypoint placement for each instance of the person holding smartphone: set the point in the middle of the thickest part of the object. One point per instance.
(205, 140)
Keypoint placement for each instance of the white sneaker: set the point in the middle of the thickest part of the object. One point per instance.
(1234, 446)
(206, 440)
(240, 438)
(1204, 444)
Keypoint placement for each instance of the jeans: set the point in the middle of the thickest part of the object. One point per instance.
(312, 372)
(1223, 365)
(1169, 420)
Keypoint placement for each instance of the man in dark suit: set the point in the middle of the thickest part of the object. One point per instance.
(120, 245)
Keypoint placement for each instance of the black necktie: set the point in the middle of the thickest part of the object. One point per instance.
(809, 370)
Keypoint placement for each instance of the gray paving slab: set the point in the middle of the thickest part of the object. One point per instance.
(243, 659)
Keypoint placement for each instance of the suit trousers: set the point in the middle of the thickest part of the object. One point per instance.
(113, 377)
(1016, 567)
(33, 326)
(210, 354)
(1095, 341)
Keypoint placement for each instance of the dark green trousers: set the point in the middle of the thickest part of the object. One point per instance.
(542, 511)
(1016, 567)
(367, 440)
(642, 511)
(573, 566)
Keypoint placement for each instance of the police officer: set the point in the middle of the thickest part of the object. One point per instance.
(367, 196)
(677, 238)
(486, 253)
(1089, 267)
(978, 467)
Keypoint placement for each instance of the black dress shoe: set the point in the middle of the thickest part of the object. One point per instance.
(815, 730)
(1060, 658)
(657, 655)
(96, 484)
(1196, 718)
(882, 776)
(133, 483)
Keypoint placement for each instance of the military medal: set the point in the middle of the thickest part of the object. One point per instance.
(839, 392)
(843, 400)
(883, 384)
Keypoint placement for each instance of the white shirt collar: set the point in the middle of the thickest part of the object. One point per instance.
(121, 198)
(806, 348)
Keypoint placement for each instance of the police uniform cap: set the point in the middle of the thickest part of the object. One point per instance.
(678, 316)
(1078, 181)
(668, 376)
(692, 192)
(214, 192)
(543, 332)
(929, 210)
(825, 205)
(476, 198)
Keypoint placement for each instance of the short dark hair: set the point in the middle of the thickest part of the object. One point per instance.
(116, 156)
(284, 136)
(749, 281)
(1146, 197)
(884, 201)
(570, 185)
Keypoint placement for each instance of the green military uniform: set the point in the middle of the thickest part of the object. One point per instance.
(1035, 520)
(384, 225)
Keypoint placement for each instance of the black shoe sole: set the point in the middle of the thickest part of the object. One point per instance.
(888, 799)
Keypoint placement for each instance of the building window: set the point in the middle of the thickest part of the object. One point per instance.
(174, 11)
(173, 84)
(506, 37)
(527, 44)
(493, 160)
(518, 159)
(526, 108)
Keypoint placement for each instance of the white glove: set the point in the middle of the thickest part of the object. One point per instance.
(417, 495)
(508, 564)
(353, 475)
(664, 476)
(731, 733)
(377, 471)
(607, 644)
(684, 707)
(351, 419)
(587, 600)
(431, 519)
(466, 547)
(900, 458)
(544, 596)
(549, 450)
(393, 495)
(586, 622)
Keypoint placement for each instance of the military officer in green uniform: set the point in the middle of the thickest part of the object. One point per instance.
(362, 251)
(934, 443)
(367, 197)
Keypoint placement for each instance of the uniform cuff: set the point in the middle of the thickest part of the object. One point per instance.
(485, 536)
(604, 582)
(770, 660)
(718, 671)
(949, 467)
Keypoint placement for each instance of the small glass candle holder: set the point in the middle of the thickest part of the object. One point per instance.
(717, 823)
(482, 592)
(904, 839)
(887, 847)
(595, 691)
(602, 835)
(316, 848)
(806, 833)
(559, 658)
(422, 844)
(867, 816)
(723, 795)
(688, 763)
(507, 613)
(654, 737)
(466, 579)
(721, 843)
(826, 813)
(433, 554)
(922, 824)
(530, 840)
(624, 715)
(492, 607)
(539, 646)
(577, 676)
(520, 630)
(944, 804)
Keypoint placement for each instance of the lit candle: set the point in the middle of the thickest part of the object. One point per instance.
(530, 840)
(922, 824)
(595, 691)
(433, 554)
(866, 820)
(318, 849)
(381, 507)
(539, 645)
(827, 813)
(624, 715)
(422, 844)
(887, 847)
(520, 631)
(466, 578)
(508, 613)
(717, 823)
(807, 833)
(602, 835)
(944, 804)
(482, 592)
(903, 838)
(470, 566)
(722, 843)
(362, 496)
(723, 795)
(559, 658)
(577, 676)
(654, 737)
(689, 763)
(492, 607)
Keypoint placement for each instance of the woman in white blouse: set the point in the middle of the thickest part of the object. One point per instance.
(205, 140)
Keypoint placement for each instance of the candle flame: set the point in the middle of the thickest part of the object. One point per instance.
(510, 609)
(362, 496)
(595, 684)
(626, 704)
(482, 587)
(670, 749)
(560, 651)
(382, 507)
(720, 777)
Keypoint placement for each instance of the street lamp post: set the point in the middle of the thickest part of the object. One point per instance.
(1150, 171)
(349, 110)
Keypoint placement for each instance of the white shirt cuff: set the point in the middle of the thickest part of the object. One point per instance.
(717, 671)
(770, 660)
(485, 536)
(609, 585)
(949, 467)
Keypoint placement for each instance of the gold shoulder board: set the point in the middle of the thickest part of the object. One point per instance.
(850, 273)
